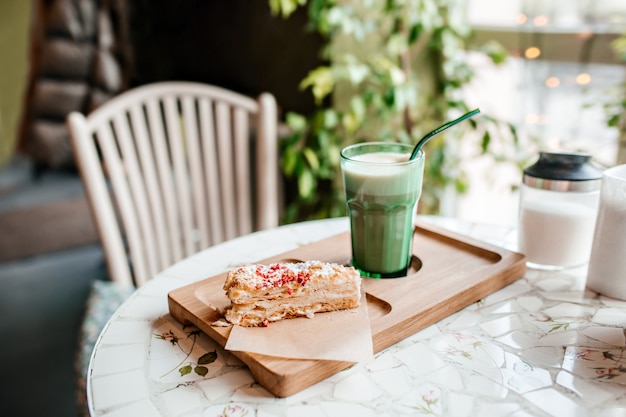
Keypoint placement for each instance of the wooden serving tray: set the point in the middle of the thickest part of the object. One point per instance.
(450, 272)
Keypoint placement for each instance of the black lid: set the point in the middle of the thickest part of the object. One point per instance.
(564, 166)
(563, 170)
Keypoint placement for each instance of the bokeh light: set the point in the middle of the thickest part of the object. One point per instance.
(552, 82)
(583, 78)
(532, 53)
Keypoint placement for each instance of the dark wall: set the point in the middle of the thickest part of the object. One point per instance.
(236, 44)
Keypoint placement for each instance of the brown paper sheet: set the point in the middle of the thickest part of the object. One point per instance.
(339, 335)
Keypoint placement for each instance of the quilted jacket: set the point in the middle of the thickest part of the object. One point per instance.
(79, 59)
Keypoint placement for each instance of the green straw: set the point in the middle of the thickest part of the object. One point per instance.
(440, 129)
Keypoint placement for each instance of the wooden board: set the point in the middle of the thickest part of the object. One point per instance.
(448, 273)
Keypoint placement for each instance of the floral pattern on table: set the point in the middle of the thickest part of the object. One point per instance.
(231, 410)
(606, 365)
(181, 353)
(424, 401)
(483, 357)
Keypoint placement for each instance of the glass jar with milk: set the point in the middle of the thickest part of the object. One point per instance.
(558, 208)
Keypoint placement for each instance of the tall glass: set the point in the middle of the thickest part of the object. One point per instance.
(382, 189)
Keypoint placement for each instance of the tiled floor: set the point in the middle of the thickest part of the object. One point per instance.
(41, 305)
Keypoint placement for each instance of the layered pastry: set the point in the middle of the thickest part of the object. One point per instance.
(261, 294)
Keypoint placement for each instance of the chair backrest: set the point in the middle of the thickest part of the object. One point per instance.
(183, 166)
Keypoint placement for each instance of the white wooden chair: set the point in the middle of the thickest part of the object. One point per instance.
(169, 169)
(183, 166)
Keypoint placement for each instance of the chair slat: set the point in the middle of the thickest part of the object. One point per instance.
(124, 201)
(211, 168)
(99, 198)
(224, 149)
(267, 167)
(166, 179)
(136, 181)
(126, 144)
(146, 159)
(195, 165)
(241, 136)
(179, 163)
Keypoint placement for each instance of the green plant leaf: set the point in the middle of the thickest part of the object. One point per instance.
(311, 158)
(415, 32)
(330, 119)
(356, 72)
(289, 161)
(285, 7)
(321, 82)
(495, 51)
(397, 45)
(461, 185)
(484, 145)
(207, 358)
(185, 370)
(357, 106)
(296, 121)
(350, 122)
(306, 184)
(334, 157)
(201, 370)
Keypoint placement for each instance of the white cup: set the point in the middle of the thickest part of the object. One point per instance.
(607, 264)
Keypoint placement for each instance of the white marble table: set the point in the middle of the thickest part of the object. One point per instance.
(543, 346)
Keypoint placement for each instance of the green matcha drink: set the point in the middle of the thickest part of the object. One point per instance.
(382, 189)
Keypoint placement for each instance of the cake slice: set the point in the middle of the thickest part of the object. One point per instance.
(260, 294)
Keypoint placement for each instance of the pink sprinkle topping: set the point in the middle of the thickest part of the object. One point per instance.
(279, 275)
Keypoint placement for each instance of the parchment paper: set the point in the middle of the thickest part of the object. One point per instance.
(339, 335)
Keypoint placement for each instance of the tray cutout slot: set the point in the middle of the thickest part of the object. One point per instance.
(456, 244)
(415, 265)
(376, 307)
